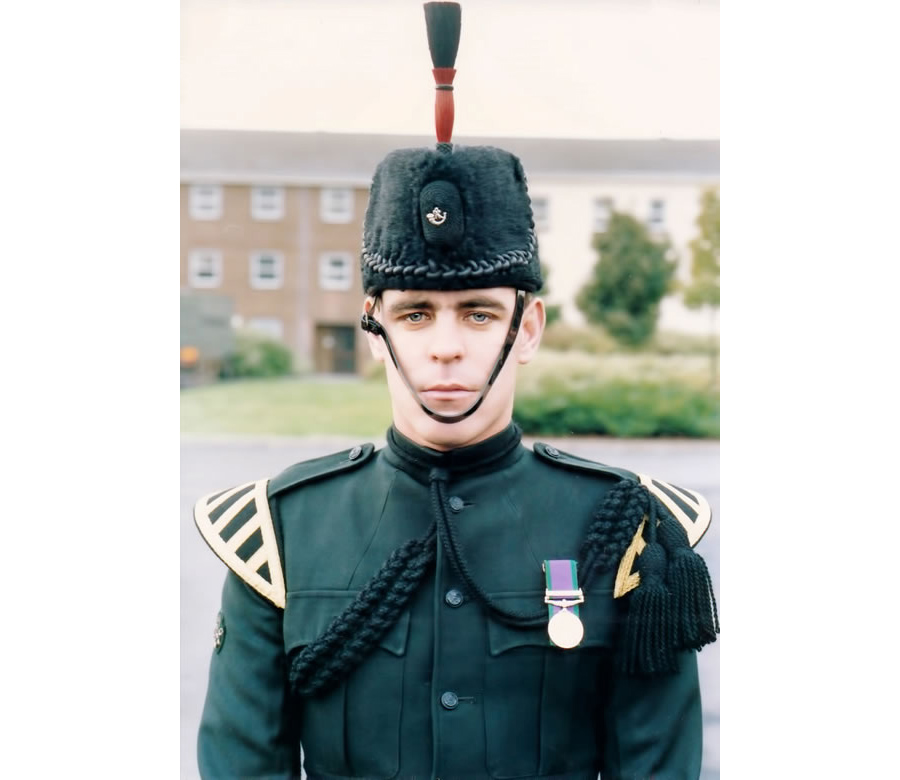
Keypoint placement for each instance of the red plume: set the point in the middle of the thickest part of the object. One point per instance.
(442, 21)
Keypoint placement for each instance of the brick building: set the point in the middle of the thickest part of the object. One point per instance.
(273, 221)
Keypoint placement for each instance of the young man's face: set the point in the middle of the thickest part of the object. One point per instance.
(447, 344)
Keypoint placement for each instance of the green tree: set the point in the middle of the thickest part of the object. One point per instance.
(628, 282)
(554, 311)
(704, 287)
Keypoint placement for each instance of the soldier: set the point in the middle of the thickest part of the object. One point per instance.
(455, 605)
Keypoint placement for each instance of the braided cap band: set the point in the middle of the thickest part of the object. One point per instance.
(413, 239)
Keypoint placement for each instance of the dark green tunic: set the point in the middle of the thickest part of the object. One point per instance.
(449, 692)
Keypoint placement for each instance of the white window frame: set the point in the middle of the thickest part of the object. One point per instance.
(330, 212)
(205, 202)
(602, 225)
(329, 281)
(271, 327)
(541, 213)
(198, 258)
(267, 203)
(261, 283)
(656, 225)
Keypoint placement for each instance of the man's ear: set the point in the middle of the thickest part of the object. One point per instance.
(376, 343)
(534, 318)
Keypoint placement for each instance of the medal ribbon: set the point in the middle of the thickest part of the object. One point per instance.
(561, 575)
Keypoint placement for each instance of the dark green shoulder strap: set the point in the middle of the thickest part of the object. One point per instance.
(688, 507)
(559, 458)
(317, 468)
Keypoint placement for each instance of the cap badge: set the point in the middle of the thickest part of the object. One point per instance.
(436, 216)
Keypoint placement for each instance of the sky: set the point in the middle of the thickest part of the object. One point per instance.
(567, 69)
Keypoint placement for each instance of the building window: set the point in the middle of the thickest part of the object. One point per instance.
(205, 201)
(336, 205)
(335, 271)
(602, 212)
(267, 203)
(266, 270)
(540, 209)
(656, 220)
(204, 268)
(267, 326)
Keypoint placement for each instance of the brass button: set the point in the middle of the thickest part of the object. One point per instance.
(354, 453)
(454, 597)
(449, 700)
(552, 451)
(456, 503)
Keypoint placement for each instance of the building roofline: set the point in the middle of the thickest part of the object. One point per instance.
(349, 159)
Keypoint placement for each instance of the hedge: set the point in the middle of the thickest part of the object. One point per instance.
(620, 408)
(256, 356)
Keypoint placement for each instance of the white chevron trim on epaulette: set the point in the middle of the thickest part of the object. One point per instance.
(214, 514)
(689, 508)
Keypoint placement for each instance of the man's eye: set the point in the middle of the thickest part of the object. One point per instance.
(415, 316)
(480, 317)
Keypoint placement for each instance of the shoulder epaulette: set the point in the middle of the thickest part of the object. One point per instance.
(237, 525)
(317, 468)
(560, 458)
(689, 508)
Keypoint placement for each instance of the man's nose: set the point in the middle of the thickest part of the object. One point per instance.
(447, 342)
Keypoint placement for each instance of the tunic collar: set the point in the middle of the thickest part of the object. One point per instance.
(499, 451)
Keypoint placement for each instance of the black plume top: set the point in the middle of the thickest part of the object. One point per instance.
(443, 22)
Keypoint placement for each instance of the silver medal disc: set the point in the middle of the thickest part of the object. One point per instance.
(565, 629)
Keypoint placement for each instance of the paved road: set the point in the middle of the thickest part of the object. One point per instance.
(209, 464)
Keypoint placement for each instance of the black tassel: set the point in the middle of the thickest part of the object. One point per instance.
(443, 23)
(695, 620)
(649, 645)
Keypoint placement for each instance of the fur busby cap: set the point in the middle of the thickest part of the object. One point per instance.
(449, 218)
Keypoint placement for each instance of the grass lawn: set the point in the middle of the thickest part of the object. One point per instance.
(288, 407)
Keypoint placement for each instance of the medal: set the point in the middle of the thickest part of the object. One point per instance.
(562, 598)
(566, 629)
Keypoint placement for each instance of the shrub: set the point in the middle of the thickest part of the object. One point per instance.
(566, 338)
(620, 408)
(671, 343)
(256, 356)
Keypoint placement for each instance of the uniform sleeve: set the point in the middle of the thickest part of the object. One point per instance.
(245, 731)
(653, 726)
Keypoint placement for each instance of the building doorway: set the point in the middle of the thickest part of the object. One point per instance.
(335, 349)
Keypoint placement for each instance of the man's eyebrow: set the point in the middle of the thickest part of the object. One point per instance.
(481, 303)
(413, 305)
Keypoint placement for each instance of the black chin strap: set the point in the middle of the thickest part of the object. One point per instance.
(370, 324)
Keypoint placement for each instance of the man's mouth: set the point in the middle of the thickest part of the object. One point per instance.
(449, 391)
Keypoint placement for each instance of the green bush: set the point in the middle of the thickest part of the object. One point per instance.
(256, 356)
(571, 338)
(595, 340)
(619, 408)
(671, 343)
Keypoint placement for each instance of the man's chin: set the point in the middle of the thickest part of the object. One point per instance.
(439, 435)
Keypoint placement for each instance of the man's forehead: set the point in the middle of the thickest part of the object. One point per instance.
(444, 297)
